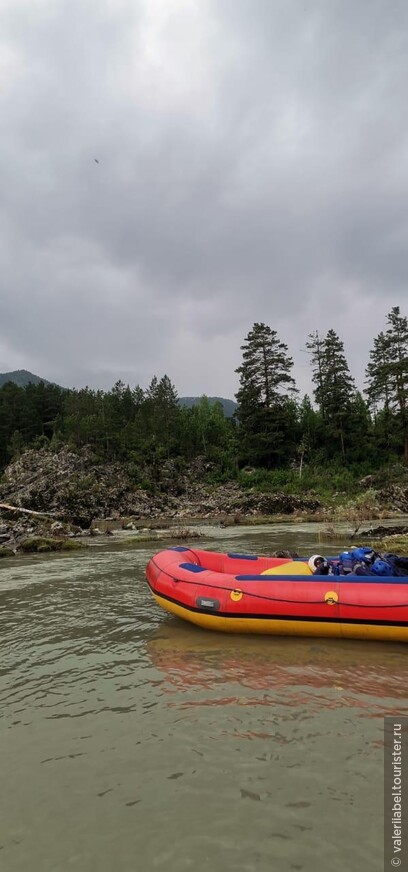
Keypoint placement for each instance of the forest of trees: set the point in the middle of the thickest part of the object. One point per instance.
(273, 428)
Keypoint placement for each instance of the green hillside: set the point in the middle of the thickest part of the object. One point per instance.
(21, 377)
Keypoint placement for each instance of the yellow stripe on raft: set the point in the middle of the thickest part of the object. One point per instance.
(278, 627)
(294, 567)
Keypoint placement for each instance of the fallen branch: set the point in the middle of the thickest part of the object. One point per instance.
(18, 509)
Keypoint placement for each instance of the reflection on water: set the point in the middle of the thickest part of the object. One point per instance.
(284, 668)
(133, 741)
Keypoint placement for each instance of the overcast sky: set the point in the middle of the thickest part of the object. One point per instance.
(253, 166)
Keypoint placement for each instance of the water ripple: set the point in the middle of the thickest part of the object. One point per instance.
(128, 734)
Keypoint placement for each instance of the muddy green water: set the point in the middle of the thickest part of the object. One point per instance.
(130, 741)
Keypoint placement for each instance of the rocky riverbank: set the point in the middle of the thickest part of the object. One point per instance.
(70, 492)
(68, 496)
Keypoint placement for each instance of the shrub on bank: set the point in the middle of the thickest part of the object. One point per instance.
(42, 545)
(6, 552)
(326, 482)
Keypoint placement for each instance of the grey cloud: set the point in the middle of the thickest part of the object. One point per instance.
(252, 166)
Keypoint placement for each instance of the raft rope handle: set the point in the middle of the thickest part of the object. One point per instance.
(277, 599)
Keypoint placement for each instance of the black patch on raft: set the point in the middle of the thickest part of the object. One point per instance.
(207, 604)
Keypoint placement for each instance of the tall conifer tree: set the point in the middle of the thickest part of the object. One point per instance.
(387, 372)
(335, 390)
(265, 412)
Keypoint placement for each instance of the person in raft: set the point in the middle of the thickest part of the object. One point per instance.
(320, 566)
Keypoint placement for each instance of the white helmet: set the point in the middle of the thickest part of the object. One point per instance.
(314, 560)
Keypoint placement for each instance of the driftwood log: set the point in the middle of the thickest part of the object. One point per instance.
(20, 510)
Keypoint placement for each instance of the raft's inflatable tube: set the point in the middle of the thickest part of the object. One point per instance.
(238, 593)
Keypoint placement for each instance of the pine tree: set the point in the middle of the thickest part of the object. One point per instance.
(266, 366)
(265, 413)
(162, 400)
(378, 374)
(309, 424)
(334, 391)
(387, 373)
(360, 430)
(315, 346)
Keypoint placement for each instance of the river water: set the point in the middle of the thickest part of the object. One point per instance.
(131, 741)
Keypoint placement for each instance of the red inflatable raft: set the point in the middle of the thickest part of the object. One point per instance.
(243, 593)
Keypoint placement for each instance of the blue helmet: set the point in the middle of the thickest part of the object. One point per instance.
(381, 567)
(363, 553)
(358, 553)
(346, 562)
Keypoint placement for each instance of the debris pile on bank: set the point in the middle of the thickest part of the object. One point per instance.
(71, 490)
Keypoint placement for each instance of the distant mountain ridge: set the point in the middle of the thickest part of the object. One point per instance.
(229, 406)
(22, 378)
